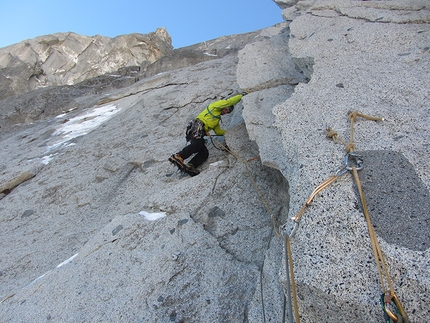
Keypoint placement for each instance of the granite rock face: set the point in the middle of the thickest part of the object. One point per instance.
(77, 196)
(372, 57)
(98, 226)
(68, 58)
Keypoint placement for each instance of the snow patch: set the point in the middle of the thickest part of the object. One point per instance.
(207, 54)
(83, 124)
(48, 272)
(217, 164)
(152, 216)
(65, 262)
(46, 159)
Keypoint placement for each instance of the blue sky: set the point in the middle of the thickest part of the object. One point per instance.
(187, 21)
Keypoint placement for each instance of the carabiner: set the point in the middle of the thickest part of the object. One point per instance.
(283, 229)
(353, 160)
(388, 299)
(341, 170)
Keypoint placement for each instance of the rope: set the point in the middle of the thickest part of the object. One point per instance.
(212, 140)
(378, 255)
(261, 282)
(388, 295)
(274, 220)
(377, 252)
(272, 215)
(288, 252)
(380, 261)
(316, 191)
(288, 261)
(290, 268)
(330, 133)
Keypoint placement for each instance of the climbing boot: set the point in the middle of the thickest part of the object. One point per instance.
(190, 170)
(177, 160)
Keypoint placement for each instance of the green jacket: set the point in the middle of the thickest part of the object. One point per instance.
(212, 114)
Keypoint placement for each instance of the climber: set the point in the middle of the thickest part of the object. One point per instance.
(201, 126)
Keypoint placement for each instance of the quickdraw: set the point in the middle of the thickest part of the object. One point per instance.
(390, 300)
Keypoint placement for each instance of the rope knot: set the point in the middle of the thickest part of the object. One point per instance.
(330, 133)
(350, 147)
(353, 115)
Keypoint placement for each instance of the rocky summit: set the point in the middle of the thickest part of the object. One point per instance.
(68, 58)
(320, 207)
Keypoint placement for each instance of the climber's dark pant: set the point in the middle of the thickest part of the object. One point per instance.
(198, 147)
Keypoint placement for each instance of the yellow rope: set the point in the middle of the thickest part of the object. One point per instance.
(381, 263)
(378, 255)
(316, 191)
(293, 284)
(333, 135)
(377, 252)
(379, 258)
(374, 241)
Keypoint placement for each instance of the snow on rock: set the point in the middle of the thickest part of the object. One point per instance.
(152, 216)
(82, 124)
